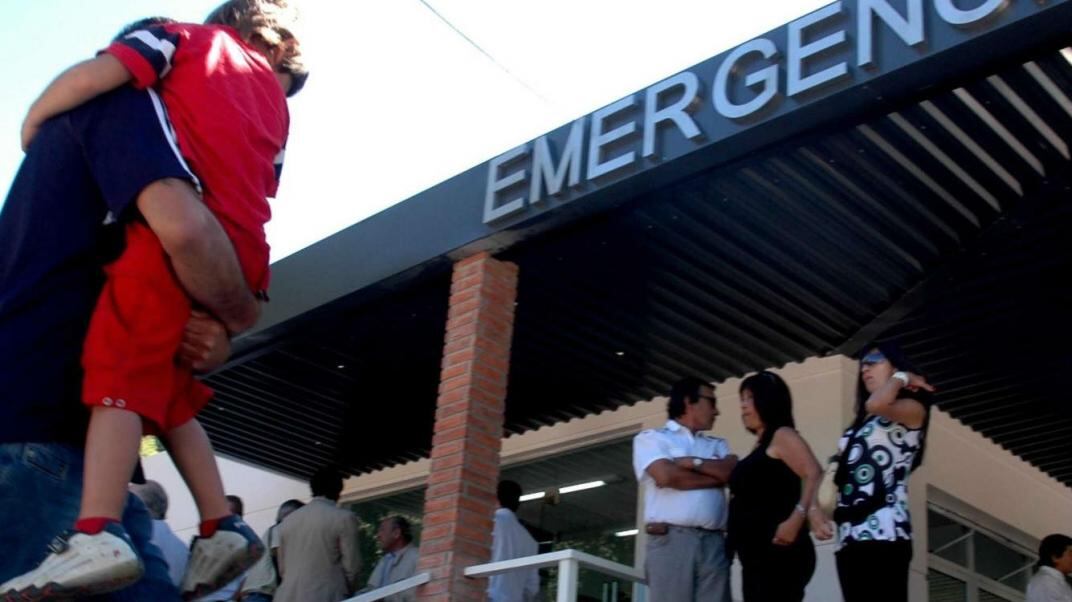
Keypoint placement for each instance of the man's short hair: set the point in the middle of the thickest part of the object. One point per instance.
(326, 482)
(509, 494)
(154, 497)
(236, 505)
(685, 390)
(287, 507)
(404, 528)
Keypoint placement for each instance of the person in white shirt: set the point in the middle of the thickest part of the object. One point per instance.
(1050, 583)
(682, 474)
(510, 539)
(176, 553)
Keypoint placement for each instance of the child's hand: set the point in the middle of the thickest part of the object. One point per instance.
(205, 343)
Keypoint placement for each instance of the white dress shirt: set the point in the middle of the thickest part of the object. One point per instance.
(1049, 585)
(175, 552)
(704, 508)
(510, 539)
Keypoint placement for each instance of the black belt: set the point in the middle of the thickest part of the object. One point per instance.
(664, 528)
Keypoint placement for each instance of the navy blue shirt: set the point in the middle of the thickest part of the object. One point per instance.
(61, 223)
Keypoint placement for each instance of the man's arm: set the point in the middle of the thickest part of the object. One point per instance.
(716, 468)
(350, 551)
(200, 252)
(669, 475)
(73, 87)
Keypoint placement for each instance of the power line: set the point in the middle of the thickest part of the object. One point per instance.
(484, 52)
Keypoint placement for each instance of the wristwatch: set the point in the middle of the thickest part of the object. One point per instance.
(901, 376)
(697, 463)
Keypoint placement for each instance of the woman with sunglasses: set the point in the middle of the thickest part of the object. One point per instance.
(877, 453)
(773, 491)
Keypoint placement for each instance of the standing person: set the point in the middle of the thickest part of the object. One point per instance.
(1050, 583)
(224, 84)
(773, 494)
(399, 561)
(87, 172)
(877, 453)
(319, 556)
(510, 539)
(175, 552)
(683, 473)
(263, 579)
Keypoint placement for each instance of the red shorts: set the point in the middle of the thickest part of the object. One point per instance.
(133, 338)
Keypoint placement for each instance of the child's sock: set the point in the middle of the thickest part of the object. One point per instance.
(93, 525)
(209, 526)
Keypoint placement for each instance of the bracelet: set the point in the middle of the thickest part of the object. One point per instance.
(801, 510)
(901, 376)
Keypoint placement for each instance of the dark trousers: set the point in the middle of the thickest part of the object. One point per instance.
(874, 571)
(772, 573)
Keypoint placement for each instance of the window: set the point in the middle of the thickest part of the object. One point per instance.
(968, 562)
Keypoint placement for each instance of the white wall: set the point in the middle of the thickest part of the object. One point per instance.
(261, 491)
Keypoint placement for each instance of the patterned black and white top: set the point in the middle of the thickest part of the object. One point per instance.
(872, 479)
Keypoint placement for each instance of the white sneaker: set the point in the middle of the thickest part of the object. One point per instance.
(216, 561)
(79, 565)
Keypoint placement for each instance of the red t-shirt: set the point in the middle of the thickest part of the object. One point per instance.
(230, 118)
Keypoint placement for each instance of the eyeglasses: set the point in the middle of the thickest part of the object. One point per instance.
(875, 357)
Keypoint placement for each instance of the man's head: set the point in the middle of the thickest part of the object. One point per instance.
(235, 504)
(154, 497)
(286, 508)
(509, 493)
(326, 482)
(1056, 551)
(692, 404)
(268, 26)
(394, 533)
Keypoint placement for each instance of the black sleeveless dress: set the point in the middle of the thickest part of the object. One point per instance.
(764, 493)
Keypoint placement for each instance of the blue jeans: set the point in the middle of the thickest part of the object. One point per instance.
(255, 597)
(40, 493)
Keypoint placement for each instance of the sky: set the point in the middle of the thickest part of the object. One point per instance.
(398, 100)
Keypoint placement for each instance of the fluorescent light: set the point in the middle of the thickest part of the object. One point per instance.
(627, 533)
(568, 489)
(582, 486)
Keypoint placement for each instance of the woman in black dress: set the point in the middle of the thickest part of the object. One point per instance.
(773, 492)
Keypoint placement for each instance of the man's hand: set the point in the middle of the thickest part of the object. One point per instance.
(29, 130)
(205, 343)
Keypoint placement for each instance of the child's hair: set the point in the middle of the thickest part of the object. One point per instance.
(271, 22)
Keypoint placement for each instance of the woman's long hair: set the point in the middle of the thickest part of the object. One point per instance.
(772, 401)
(893, 353)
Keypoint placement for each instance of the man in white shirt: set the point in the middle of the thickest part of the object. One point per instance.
(1050, 583)
(176, 553)
(682, 474)
(510, 539)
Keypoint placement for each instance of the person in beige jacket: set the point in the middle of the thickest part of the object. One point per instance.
(319, 558)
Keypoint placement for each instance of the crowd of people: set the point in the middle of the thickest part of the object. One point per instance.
(696, 527)
(132, 249)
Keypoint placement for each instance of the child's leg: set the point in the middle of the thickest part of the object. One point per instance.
(111, 453)
(191, 451)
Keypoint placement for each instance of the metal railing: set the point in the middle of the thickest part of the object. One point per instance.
(395, 588)
(569, 563)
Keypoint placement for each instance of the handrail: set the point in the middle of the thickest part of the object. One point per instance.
(569, 563)
(394, 588)
(602, 565)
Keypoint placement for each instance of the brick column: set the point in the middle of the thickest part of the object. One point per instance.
(460, 499)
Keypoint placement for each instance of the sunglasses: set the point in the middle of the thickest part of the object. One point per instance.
(875, 357)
